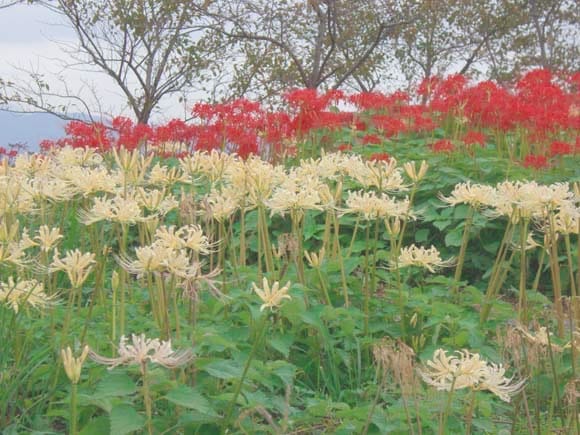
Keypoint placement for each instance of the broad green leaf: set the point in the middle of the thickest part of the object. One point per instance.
(97, 426)
(115, 384)
(422, 235)
(224, 369)
(282, 343)
(124, 419)
(454, 238)
(190, 398)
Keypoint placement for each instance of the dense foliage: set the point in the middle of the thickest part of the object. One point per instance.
(391, 268)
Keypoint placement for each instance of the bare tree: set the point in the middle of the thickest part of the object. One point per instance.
(312, 44)
(149, 48)
(545, 34)
(452, 36)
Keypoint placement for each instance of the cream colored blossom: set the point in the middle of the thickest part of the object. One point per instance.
(68, 156)
(315, 259)
(453, 372)
(24, 292)
(474, 195)
(222, 204)
(32, 165)
(372, 206)
(149, 259)
(294, 195)
(116, 209)
(260, 179)
(194, 239)
(143, 350)
(411, 170)
(14, 198)
(76, 265)
(12, 253)
(468, 370)
(418, 256)
(156, 201)
(213, 165)
(87, 181)
(384, 175)
(49, 188)
(73, 366)
(567, 219)
(526, 200)
(166, 176)
(48, 238)
(494, 380)
(271, 296)
(132, 166)
(25, 241)
(169, 237)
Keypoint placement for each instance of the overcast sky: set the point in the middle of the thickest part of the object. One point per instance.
(29, 40)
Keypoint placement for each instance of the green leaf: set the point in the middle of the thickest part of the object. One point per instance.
(441, 224)
(115, 384)
(422, 235)
(224, 369)
(97, 426)
(453, 238)
(190, 398)
(282, 343)
(124, 419)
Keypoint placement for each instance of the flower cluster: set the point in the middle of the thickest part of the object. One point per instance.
(468, 370)
(142, 350)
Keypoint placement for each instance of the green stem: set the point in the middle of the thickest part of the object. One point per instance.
(365, 288)
(556, 381)
(462, 250)
(259, 334)
(555, 271)
(469, 414)
(573, 288)
(146, 398)
(444, 414)
(522, 299)
(356, 225)
(323, 287)
(73, 410)
(492, 286)
(406, 219)
(340, 261)
(374, 404)
(266, 246)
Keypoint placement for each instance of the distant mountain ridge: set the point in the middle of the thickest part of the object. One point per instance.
(29, 128)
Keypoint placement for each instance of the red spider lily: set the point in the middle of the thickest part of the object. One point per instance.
(423, 124)
(377, 101)
(369, 139)
(307, 105)
(175, 130)
(345, 147)
(380, 157)
(83, 135)
(332, 120)
(447, 95)
(360, 125)
(536, 161)
(442, 146)
(560, 148)
(129, 135)
(388, 126)
(474, 137)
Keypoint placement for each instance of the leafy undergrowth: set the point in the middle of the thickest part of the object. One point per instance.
(357, 292)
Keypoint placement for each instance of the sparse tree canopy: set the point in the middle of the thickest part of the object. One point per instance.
(234, 48)
(312, 44)
(149, 48)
